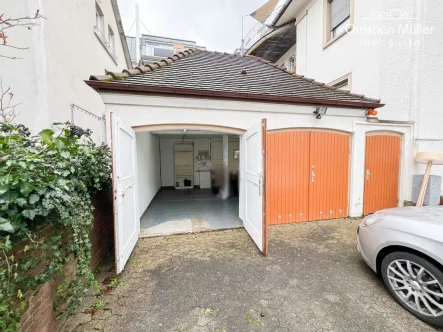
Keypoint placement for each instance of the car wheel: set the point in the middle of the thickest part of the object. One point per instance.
(416, 283)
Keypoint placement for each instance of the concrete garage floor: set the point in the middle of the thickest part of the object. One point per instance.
(312, 280)
(178, 211)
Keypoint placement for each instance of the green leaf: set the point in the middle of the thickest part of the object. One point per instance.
(65, 154)
(26, 188)
(46, 135)
(20, 201)
(59, 145)
(3, 189)
(6, 227)
(30, 214)
(33, 198)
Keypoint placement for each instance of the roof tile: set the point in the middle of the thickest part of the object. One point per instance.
(216, 73)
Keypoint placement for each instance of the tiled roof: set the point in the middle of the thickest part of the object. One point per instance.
(204, 73)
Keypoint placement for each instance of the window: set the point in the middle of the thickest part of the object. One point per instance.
(342, 83)
(291, 63)
(111, 38)
(338, 18)
(99, 18)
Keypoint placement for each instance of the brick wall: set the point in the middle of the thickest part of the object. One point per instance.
(39, 316)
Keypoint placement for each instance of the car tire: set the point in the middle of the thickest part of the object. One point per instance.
(421, 278)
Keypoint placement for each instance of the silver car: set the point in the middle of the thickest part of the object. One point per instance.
(405, 246)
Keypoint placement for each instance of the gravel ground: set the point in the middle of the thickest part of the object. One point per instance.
(312, 280)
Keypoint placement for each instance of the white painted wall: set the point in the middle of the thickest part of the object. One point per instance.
(213, 144)
(63, 52)
(148, 167)
(404, 70)
(140, 110)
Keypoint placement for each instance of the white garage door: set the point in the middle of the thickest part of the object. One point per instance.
(252, 185)
(125, 191)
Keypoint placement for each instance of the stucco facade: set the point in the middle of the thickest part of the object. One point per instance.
(139, 111)
(63, 50)
(393, 52)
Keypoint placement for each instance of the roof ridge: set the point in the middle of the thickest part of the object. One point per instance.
(110, 76)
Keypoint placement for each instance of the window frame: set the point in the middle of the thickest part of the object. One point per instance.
(99, 18)
(341, 80)
(111, 38)
(328, 39)
(292, 63)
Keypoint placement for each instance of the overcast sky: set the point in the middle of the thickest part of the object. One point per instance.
(215, 24)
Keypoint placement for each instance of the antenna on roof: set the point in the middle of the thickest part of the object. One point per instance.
(137, 35)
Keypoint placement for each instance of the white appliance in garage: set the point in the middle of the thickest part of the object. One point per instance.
(205, 179)
(126, 191)
(184, 166)
(204, 169)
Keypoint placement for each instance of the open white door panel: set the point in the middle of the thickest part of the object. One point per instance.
(252, 184)
(124, 177)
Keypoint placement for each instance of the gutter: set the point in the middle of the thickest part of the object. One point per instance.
(121, 33)
(137, 88)
(281, 12)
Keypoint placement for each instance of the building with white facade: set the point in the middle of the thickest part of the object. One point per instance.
(71, 40)
(392, 50)
(303, 148)
(155, 48)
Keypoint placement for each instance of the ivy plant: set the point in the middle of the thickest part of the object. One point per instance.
(47, 183)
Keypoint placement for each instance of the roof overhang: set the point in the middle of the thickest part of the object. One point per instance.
(101, 86)
(275, 44)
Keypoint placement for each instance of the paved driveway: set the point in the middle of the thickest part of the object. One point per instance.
(312, 280)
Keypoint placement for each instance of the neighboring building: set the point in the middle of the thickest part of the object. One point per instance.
(307, 163)
(155, 48)
(390, 50)
(72, 40)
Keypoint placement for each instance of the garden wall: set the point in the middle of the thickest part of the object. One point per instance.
(40, 317)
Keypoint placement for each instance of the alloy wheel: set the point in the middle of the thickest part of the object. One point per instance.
(416, 287)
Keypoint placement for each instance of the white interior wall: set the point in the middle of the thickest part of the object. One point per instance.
(148, 168)
(215, 145)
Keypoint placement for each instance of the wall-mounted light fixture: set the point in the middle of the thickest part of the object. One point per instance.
(320, 111)
(371, 112)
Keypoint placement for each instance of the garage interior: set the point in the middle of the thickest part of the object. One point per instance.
(187, 181)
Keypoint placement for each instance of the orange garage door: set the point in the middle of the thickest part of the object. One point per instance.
(307, 176)
(382, 172)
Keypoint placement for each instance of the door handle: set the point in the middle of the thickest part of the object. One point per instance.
(123, 193)
(368, 174)
(313, 177)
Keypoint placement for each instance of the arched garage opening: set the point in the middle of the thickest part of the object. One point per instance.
(307, 175)
(139, 172)
(188, 178)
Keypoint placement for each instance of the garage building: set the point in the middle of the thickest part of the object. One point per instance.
(299, 150)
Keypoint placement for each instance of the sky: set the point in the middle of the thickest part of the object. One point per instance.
(215, 24)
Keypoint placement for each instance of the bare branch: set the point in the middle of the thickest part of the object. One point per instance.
(8, 112)
(6, 24)
(10, 57)
(16, 47)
